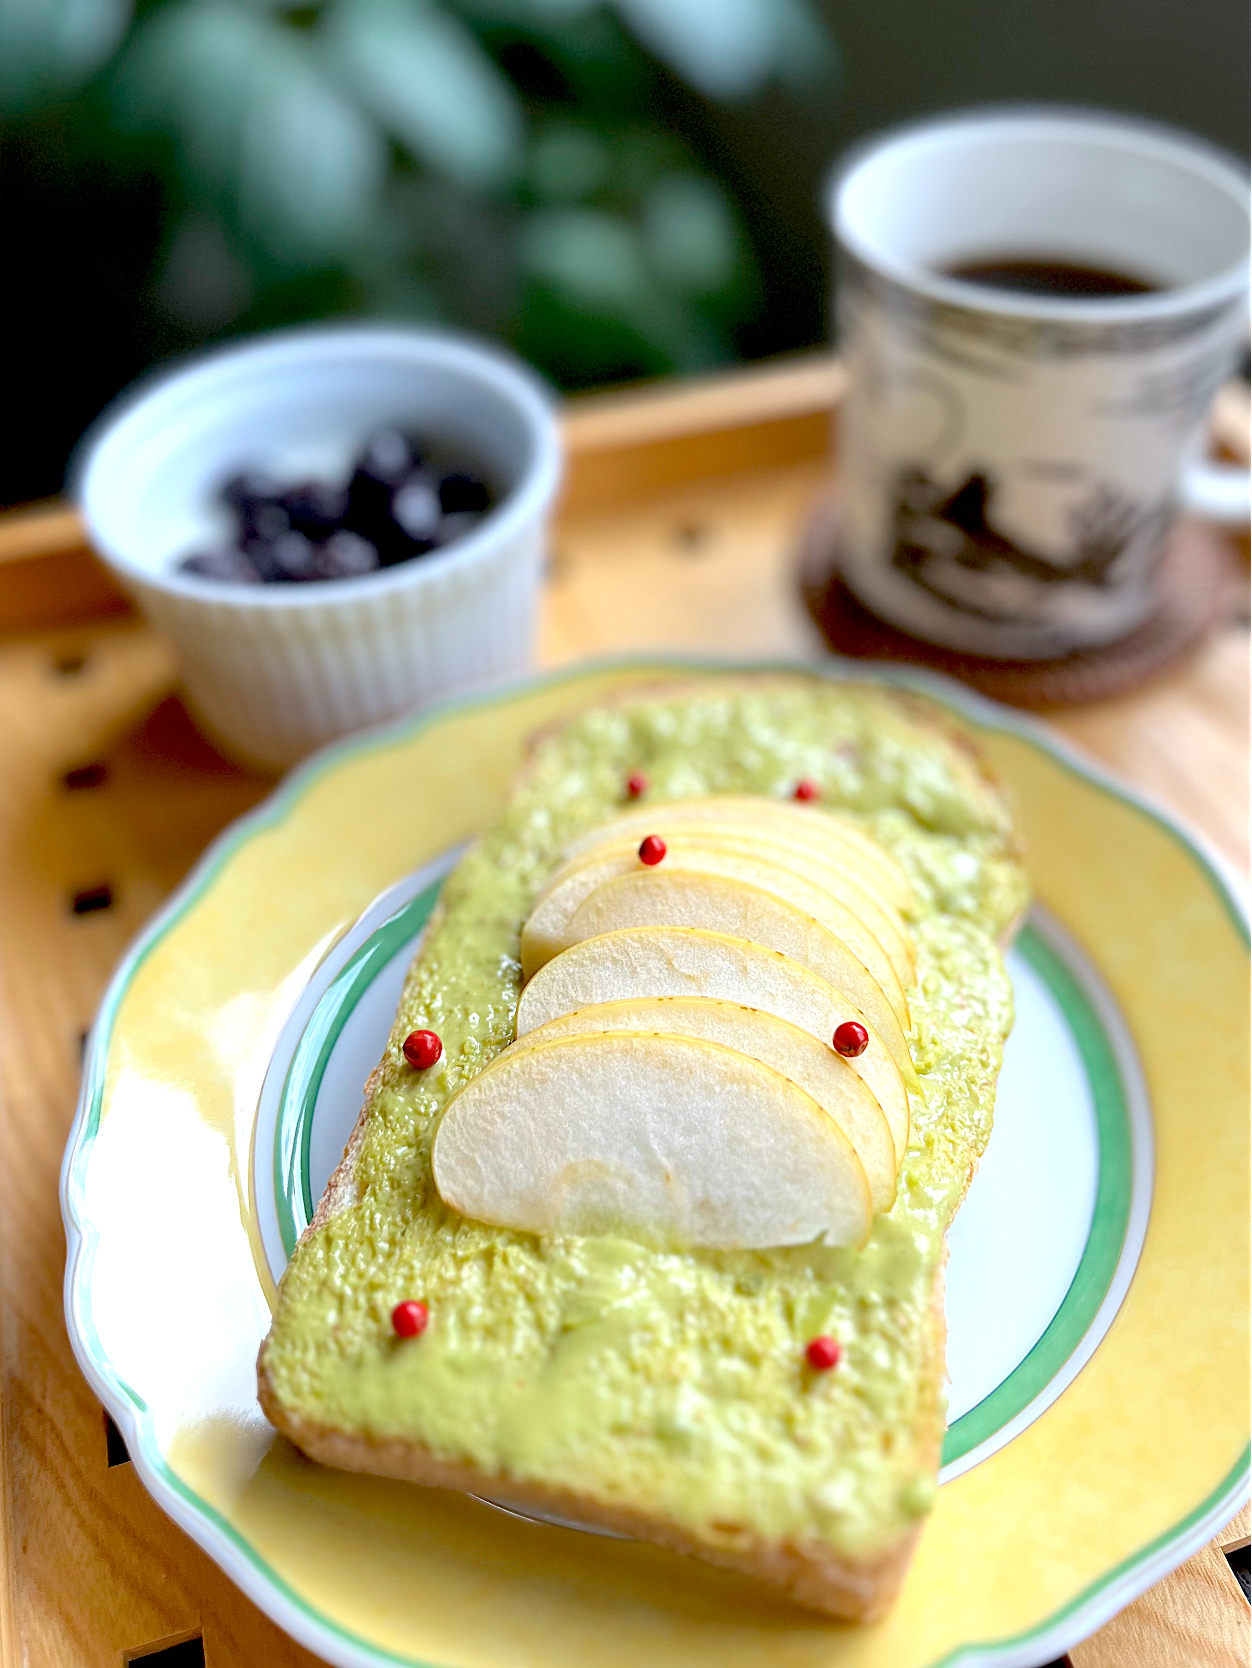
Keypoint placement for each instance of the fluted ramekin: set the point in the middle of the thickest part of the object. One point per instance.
(273, 671)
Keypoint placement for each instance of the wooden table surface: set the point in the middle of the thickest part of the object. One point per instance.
(679, 530)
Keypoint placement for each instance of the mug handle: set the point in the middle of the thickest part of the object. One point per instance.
(1221, 491)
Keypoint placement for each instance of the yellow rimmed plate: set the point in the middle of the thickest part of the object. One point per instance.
(1098, 1448)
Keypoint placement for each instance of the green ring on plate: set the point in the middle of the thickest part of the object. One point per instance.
(1114, 1171)
(293, 1136)
(1109, 1217)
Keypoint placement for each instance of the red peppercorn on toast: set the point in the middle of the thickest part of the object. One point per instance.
(655, 1240)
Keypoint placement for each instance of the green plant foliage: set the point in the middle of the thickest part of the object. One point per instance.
(52, 47)
(505, 166)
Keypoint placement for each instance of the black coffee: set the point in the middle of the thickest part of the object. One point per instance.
(1041, 275)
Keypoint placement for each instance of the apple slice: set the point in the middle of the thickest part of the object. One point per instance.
(678, 1141)
(778, 838)
(824, 830)
(801, 821)
(548, 929)
(812, 1065)
(683, 961)
(725, 903)
(756, 861)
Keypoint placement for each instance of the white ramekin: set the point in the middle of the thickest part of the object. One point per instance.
(273, 671)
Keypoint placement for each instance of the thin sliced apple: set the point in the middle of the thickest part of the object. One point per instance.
(724, 903)
(684, 961)
(801, 820)
(679, 1141)
(823, 828)
(807, 843)
(550, 927)
(812, 1065)
(782, 843)
(743, 854)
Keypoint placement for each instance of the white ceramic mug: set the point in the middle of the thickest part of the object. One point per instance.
(273, 671)
(1012, 462)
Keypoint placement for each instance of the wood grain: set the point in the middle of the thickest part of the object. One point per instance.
(1236, 1533)
(1196, 1618)
(1183, 739)
(627, 445)
(48, 574)
(678, 531)
(94, 1570)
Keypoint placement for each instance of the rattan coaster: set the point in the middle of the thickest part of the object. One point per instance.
(1198, 581)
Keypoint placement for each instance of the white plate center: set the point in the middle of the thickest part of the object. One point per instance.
(1018, 1238)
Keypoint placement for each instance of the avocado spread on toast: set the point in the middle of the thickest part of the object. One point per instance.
(674, 1383)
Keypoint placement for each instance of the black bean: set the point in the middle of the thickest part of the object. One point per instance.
(228, 565)
(260, 552)
(405, 550)
(293, 556)
(392, 510)
(416, 509)
(345, 555)
(369, 506)
(315, 508)
(248, 486)
(263, 518)
(459, 491)
(457, 525)
(388, 456)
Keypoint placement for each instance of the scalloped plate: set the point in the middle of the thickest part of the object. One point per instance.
(1097, 1293)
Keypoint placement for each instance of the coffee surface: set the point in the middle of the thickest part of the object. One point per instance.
(1043, 275)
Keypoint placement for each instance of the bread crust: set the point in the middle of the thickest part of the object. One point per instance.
(810, 1572)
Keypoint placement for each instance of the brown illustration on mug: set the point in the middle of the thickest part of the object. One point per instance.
(947, 543)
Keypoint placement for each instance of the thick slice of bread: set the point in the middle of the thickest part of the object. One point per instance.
(689, 1417)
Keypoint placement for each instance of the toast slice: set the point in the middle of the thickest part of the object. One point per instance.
(660, 1392)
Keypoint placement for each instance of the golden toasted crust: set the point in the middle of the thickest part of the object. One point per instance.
(341, 1188)
(810, 1572)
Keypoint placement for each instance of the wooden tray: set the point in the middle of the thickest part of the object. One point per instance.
(678, 530)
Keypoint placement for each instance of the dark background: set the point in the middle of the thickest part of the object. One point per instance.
(903, 59)
(92, 198)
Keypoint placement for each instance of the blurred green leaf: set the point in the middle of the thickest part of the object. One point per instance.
(568, 162)
(442, 252)
(593, 257)
(50, 47)
(423, 75)
(729, 48)
(581, 63)
(532, 11)
(596, 262)
(690, 235)
(528, 169)
(257, 122)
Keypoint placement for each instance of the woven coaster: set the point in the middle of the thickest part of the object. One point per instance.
(1198, 584)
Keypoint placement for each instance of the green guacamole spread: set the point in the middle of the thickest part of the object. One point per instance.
(675, 1383)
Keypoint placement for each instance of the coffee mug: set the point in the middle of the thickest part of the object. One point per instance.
(1035, 309)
